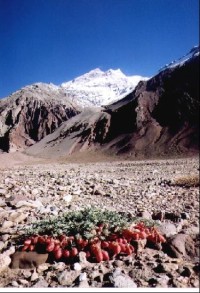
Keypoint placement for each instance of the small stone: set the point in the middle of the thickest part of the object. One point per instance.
(23, 282)
(41, 284)
(2, 203)
(27, 274)
(169, 267)
(66, 278)
(117, 272)
(84, 284)
(118, 263)
(34, 276)
(97, 191)
(2, 244)
(195, 283)
(123, 281)
(5, 237)
(167, 229)
(193, 230)
(30, 203)
(3, 191)
(7, 224)
(10, 251)
(181, 245)
(43, 267)
(83, 277)
(82, 257)
(163, 281)
(68, 198)
(77, 266)
(5, 261)
(145, 215)
(14, 284)
(60, 266)
(35, 191)
(19, 217)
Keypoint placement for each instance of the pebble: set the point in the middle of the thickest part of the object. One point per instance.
(83, 277)
(34, 276)
(23, 281)
(60, 266)
(77, 266)
(66, 278)
(5, 261)
(3, 191)
(7, 224)
(42, 267)
(2, 244)
(14, 284)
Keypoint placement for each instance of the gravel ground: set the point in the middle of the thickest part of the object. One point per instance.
(143, 188)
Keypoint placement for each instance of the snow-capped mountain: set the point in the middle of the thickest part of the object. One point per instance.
(182, 60)
(97, 88)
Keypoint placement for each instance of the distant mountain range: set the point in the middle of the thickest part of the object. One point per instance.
(157, 117)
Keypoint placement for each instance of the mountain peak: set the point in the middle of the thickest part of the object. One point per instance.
(98, 87)
(115, 72)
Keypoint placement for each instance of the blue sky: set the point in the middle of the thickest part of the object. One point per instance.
(58, 40)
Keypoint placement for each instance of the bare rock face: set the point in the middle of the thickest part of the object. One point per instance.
(31, 113)
(84, 132)
(160, 117)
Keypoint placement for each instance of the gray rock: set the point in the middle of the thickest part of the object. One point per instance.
(5, 261)
(3, 191)
(145, 215)
(41, 283)
(182, 245)
(2, 244)
(167, 229)
(84, 284)
(123, 281)
(66, 278)
(2, 202)
(82, 257)
(163, 281)
(7, 224)
(34, 276)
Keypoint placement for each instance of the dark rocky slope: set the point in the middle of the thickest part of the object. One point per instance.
(31, 113)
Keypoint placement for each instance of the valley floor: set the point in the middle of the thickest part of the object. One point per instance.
(142, 188)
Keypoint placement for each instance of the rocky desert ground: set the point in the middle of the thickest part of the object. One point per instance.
(32, 190)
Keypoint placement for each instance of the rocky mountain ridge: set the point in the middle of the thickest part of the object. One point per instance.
(31, 113)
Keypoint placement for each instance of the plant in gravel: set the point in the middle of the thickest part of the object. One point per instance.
(101, 234)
